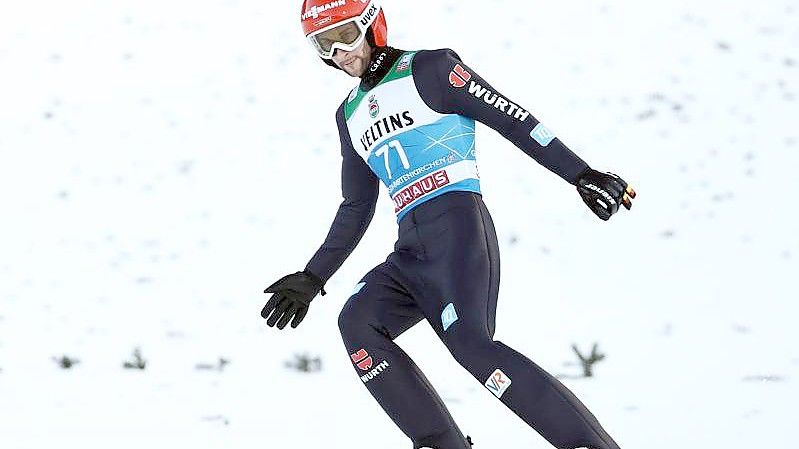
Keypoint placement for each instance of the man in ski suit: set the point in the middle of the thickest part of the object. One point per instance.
(410, 123)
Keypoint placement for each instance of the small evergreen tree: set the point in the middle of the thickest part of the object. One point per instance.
(65, 361)
(588, 362)
(138, 361)
(219, 366)
(304, 363)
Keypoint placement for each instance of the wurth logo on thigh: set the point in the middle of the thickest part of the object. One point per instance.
(498, 383)
(363, 360)
(375, 372)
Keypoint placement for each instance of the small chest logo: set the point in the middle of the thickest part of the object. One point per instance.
(404, 63)
(374, 108)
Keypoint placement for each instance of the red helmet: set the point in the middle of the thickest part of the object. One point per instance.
(331, 24)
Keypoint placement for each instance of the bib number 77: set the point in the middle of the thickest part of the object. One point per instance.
(385, 150)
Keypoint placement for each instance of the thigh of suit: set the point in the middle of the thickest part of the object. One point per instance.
(447, 250)
(382, 302)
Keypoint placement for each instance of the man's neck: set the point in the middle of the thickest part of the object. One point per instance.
(383, 58)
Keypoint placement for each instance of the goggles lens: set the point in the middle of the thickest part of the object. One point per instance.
(346, 35)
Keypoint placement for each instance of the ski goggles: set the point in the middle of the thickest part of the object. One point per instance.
(346, 35)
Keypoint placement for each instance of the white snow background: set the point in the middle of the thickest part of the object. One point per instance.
(161, 162)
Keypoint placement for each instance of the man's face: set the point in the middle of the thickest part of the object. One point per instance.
(354, 62)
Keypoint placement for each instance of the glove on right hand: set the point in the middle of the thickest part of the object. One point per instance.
(291, 297)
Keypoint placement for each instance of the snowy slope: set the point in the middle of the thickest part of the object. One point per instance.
(162, 161)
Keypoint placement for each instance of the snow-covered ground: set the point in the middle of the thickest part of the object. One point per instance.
(161, 162)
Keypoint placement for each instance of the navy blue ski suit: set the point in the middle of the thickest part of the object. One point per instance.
(445, 263)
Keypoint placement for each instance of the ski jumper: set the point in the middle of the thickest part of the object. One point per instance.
(410, 124)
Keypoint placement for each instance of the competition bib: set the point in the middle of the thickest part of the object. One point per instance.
(416, 152)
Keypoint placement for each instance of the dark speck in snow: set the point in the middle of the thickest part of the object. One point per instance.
(185, 167)
(220, 419)
(646, 114)
(764, 378)
(767, 30)
(721, 197)
(751, 413)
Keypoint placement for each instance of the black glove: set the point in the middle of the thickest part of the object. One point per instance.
(291, 297)
(603, 193)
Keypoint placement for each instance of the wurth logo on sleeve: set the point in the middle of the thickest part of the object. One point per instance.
(458, 77)
(496, 100)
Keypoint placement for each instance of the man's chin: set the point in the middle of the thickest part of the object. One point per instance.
(351, 70)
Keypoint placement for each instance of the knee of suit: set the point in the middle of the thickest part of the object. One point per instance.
(466, 344)
(347, 319)
(355, 318)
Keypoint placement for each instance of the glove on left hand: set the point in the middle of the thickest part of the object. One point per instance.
(603, 193)
(292, 295)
